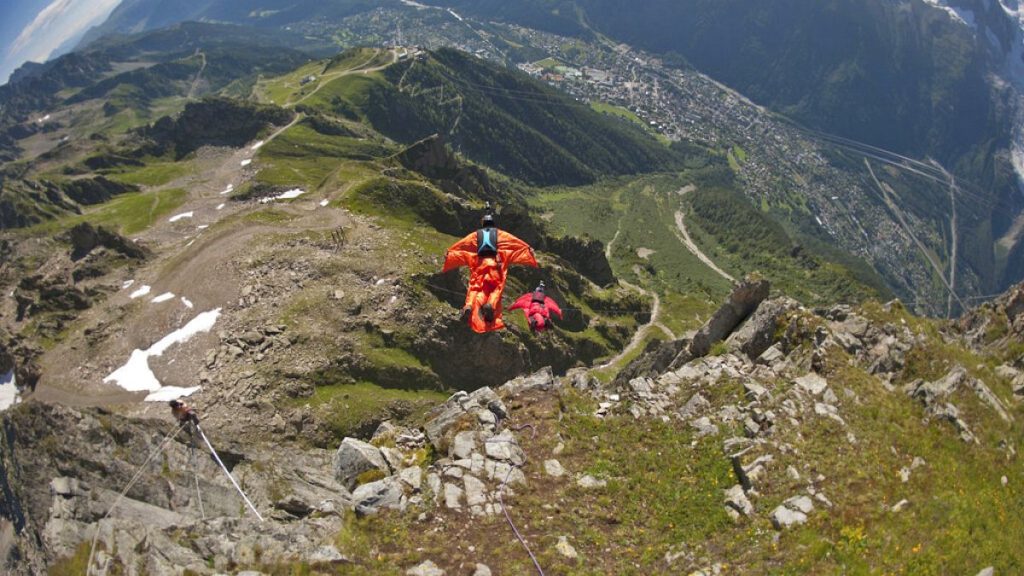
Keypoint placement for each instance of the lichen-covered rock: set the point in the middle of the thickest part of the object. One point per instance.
(354, 457)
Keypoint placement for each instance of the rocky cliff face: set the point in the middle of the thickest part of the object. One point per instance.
(787, 414)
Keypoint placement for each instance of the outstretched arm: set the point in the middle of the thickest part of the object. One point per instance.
(515, 251)
(460, 254)
(552, 306)
(523, 302)
(456, 259)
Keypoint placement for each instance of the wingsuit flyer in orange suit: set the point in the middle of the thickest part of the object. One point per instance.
(488, 252)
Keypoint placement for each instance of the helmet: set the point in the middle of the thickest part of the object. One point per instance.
(487, 220)
(540, 287)
(174, 403)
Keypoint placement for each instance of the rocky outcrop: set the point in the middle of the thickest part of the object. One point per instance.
(743, 301)
(89, 191)
(85, 238)
(758, 332)
(586, 255)
(996, 320)
(36, 295)
(213, 122)
(54, 494)
(433, 158)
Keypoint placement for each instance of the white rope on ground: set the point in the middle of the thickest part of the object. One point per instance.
(230, 477)
(195, 475)
(135, 478)
(501, 501)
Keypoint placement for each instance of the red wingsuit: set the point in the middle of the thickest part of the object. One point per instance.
(487, 274)
(537, 308)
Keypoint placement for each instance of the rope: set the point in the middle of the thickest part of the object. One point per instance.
(195, 475)
(225, 469)
(135, 478)
(501, 500)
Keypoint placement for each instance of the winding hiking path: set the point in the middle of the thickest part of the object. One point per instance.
(641, 331)
(328, 78)
(684, 237)
(199, 75)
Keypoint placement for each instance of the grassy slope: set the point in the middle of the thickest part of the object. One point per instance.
(667, 499)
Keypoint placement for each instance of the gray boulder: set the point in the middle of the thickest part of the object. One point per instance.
(758, 332)
(355, 457)
(737, 502)
(426, 568)
(375, 496)
(743, 301)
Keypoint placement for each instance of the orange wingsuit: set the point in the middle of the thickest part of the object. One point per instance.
(487, 274)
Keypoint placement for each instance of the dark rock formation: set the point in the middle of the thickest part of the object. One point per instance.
(84, 238)
(587, 256)
(214, 122)
(758, 332)
(432, 158)
(89, 191)
(745, 298)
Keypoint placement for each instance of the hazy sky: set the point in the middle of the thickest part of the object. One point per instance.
(33, 29)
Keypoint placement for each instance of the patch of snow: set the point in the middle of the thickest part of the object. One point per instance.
(412, 4)
(8, 391)
(820, 223)
(229, 188)
(293, 193)
(257, 146)
(127, 284)
(246, 162)
(180, 216)
(190, 242)
(202, 227)
(220, 206)
(187, 302)
(168, 393)
(44, 118)
(457, 17)
(162, 298)
(140, 292)
(136, 376)
(323, 202)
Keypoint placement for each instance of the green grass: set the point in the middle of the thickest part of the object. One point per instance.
(685, 311)
(628, 114)
(300, 156)
(155, 174)
(282, 89)
(348, 407)
(548, 63)
(739, 153)
(127, 214)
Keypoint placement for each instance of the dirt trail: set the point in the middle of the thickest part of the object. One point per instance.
(204, 273)
(199, 75)
(641, 331)
(328, 78)
(193, 263)
(684, 237)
